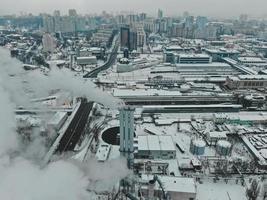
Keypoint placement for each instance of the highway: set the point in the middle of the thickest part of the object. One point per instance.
(111, 60)
(76, 128)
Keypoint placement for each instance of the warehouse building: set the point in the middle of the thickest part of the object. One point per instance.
(155, 147)
(247, 81)
(181, 188)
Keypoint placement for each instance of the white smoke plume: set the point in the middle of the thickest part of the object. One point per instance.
(103, 176)
(24, 85)
(8, 140)
(65, 80)
(23, 179)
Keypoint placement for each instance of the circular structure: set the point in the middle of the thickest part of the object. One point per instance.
(197, 147)
(223, 147)
(111, 136)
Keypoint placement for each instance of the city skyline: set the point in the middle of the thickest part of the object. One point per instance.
(225, 9)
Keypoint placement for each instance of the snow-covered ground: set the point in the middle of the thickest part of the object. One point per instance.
(220, 191)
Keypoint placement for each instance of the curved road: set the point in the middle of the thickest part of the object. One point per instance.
(109, 63)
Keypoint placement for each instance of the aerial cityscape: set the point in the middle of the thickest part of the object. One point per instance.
(116, 100)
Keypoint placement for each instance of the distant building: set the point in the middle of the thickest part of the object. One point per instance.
(141, 38)
(103, 37)
(252, 61)
(160, 13)
(64, 24)
(120, 19)
(201, 23)
(243, 17)
(89, 60)
(49, 43)
(72, 12)
(247, 81)
(218, 54)
(56, 13)
(142, 16)
(48, 24)
(133, 40)
(125, 37)
(132, 18)
(193, 58)
(140, 34)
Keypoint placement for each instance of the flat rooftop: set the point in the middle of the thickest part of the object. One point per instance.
(193, 56)
(144, 92)
(174, 184)
(155, 143)
(212, 64)
(252, 59)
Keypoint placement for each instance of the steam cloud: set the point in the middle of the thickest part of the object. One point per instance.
(25, 85)
(21, 177)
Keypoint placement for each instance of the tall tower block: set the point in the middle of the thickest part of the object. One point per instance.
(126, 129)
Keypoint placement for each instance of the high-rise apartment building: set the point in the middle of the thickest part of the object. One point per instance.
(125, 37)
(72, 13)
(160, 13)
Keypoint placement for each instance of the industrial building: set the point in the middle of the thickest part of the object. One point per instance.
(214, 136)
(155, 147)
(181, 188)
(193, 58)
(89, 60)
(169, 97)
(247, 81)
(182, 58)
(252, 61)
(218, 54)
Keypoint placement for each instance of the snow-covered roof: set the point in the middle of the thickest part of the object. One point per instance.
(103, 152)
(252, 77)
(155, 143)
(217, 134)
(252, 59)
(212, 64)
(175, 184)
(143, 92)
(194, 56)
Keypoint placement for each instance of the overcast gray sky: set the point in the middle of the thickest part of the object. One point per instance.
(223, 8)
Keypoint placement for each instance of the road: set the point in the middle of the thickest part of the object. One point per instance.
(76, 128)
(109, 63)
